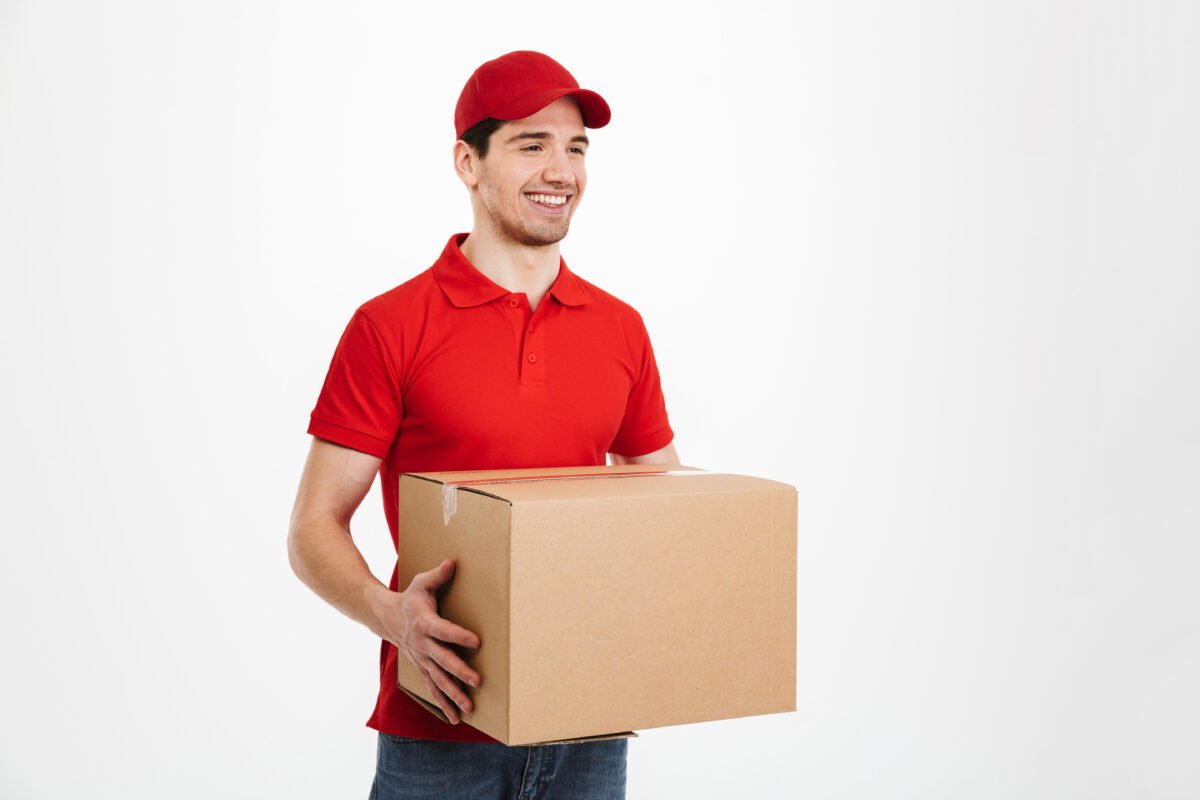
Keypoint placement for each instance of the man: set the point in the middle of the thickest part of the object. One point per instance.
(495, 357)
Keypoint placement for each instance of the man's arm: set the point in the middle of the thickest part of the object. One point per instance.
(324, 556)
(664, 456)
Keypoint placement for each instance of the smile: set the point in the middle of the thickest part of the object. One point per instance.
(548, 199)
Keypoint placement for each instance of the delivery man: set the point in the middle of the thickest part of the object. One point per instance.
(495, 357)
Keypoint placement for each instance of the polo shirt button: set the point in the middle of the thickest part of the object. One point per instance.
(532, 358)
(531, 330)
(512, 301)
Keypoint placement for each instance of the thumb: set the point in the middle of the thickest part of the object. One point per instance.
(432, 579)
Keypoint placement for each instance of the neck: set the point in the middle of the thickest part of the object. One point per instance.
(516, 267)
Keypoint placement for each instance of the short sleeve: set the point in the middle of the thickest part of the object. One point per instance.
(360, 405)
(645, 427)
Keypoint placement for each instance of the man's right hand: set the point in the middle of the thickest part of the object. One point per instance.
(410, 620)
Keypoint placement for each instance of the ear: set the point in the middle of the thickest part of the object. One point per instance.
(466, 164)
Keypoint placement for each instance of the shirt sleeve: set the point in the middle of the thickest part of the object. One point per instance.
(360, 405)
(645, 427)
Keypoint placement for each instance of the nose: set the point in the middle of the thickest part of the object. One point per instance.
(558, 169)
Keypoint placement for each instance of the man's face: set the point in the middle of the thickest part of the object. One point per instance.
(533, 175)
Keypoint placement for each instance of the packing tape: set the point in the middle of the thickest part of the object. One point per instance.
(449, 502)
(450, 493)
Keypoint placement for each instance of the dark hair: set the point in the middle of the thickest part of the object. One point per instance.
(478, 134)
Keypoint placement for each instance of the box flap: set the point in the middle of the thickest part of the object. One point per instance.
(641, 485)
(526, 473)
(573, 483)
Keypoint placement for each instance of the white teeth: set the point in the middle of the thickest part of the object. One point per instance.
(547, 199)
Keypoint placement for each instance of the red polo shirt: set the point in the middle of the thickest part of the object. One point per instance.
(450, 371)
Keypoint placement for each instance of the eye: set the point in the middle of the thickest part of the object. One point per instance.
(578, 149)
(532, 148)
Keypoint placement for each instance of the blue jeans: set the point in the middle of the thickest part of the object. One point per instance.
(418, 769)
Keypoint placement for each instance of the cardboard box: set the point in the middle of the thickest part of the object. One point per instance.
(609, 599)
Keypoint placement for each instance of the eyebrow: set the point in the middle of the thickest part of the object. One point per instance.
(542, 135)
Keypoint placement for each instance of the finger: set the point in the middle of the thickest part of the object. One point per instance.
(439, 698)
(433, 578)
(448, 686)
(445, 658)
(446, 631)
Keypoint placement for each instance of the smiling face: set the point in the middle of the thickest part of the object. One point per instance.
(528, 185)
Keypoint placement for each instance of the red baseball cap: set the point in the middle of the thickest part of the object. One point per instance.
(521, 83)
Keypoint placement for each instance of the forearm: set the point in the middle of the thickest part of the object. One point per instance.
(325, 558)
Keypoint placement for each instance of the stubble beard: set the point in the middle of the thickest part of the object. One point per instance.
(517, 231)
(529, 237)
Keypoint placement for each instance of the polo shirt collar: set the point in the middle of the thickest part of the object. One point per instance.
(466, 286)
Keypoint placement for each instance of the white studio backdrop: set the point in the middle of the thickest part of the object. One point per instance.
(935, 264)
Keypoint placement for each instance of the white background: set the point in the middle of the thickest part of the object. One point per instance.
(935, 264)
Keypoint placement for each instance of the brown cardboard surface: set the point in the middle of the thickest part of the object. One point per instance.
(437, 712)
(612, 602)
(478, 595)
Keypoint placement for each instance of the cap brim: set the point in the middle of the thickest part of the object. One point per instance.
(595, 111)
